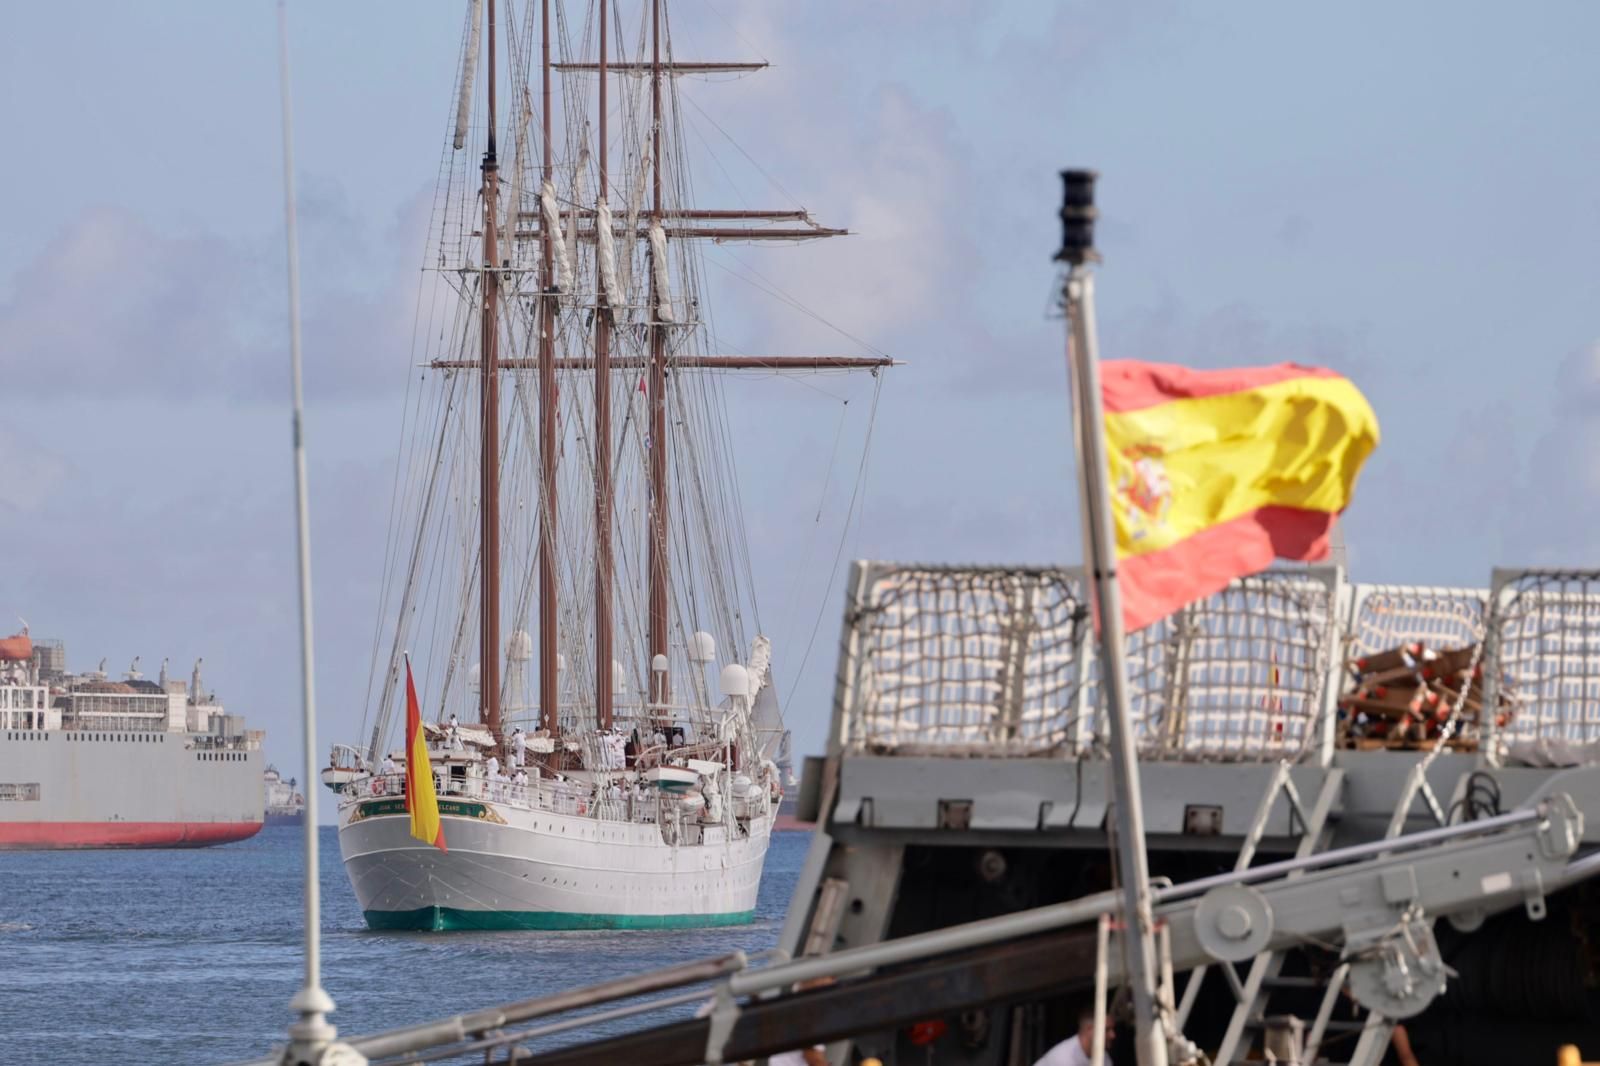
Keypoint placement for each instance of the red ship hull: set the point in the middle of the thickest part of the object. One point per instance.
(52, 835)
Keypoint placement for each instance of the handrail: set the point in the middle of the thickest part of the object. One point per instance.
(544, 796)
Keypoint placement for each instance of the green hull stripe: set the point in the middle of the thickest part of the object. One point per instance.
(442, 919)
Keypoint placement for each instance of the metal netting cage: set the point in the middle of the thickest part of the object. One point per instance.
(1385, 617)
(1240, 675)
(978, 661)
(1544, 654)
(1388, 616)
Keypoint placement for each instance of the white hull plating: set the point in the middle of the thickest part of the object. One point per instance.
(511, 867)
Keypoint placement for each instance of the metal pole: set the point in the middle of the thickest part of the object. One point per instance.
(489, 421)
(1099, 538)
(602, 435)
(1102, 947)
(312, 1033)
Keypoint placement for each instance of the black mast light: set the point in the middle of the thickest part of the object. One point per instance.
(1077, 217)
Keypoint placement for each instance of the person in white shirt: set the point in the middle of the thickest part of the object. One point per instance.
(388, 766)
(493, 767)
(1076, 1050)
(518, 746)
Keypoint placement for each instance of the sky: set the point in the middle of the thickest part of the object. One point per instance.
(1409, 194)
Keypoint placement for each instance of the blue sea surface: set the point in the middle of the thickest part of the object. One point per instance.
(192, 956)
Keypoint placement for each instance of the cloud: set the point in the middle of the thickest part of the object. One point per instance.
(1551, 507)
(897, 178)
(115, 307)
(1578, 383)
(28, 474)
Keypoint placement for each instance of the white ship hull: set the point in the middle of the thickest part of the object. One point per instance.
(510, 867)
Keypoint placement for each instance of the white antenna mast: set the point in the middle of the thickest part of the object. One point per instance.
(310, 1038)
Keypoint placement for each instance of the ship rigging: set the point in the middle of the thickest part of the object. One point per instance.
(601, 498)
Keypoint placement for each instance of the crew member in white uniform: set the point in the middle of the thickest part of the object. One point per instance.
(518, 746)
(1076, 1050)
(389, 766)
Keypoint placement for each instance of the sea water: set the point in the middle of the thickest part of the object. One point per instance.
(192, 956)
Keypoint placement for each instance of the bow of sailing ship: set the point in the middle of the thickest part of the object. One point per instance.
(569, 515)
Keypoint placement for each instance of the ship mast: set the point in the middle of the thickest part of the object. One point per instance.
(685, 224)
(549, 661)
(489, 392)
(602, 435)
(660, 684)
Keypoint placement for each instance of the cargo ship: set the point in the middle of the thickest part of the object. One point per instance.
(88, 762)
(285, 804)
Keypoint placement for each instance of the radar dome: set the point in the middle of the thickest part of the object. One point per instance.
(735, 681)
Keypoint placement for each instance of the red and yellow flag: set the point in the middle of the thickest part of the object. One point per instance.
(421, 800)
(1214, 473)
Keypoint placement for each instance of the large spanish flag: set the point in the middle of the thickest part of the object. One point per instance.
(421, 800)
(1214, 473)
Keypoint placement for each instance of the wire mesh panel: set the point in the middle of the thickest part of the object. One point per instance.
(1545, 654)
(953, 660)
(1241, 675)
(1388, 616)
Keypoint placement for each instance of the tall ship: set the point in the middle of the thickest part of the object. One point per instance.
(91, 762)
(570, 573)
(285, 805)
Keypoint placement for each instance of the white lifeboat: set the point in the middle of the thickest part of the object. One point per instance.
(336, 777)
(671, 778)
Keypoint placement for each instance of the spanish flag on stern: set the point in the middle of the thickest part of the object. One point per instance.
(421, 800)
(1214, 473)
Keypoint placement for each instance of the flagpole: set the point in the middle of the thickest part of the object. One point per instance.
(1100, 545)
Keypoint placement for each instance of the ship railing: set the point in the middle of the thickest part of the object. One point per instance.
(101, 723)
(1542, 666)
(963, 660)
(634, 807)
(550, 797)
(968, 661)
(1243, 675)
(1000, 661)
